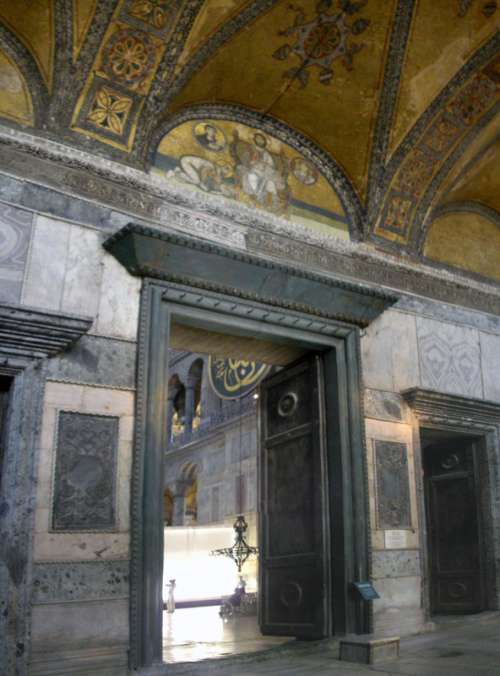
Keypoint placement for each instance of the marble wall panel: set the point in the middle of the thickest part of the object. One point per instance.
(119, 301)
(82, 281)
(382, 405)
(15, 236)
(490, 365)
(79, 581)
(389, 353)
(398, 563)
(96, 360)
(449, 358)
(88, 546)
(401, 433)
(80, 624)
(47, 264)
(401, 592)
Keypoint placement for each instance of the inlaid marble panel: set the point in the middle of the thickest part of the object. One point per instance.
(15, 235)
(449, 358)
(85, 472)
(392, 485)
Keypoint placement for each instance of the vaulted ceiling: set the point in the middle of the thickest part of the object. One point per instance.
(374, 120)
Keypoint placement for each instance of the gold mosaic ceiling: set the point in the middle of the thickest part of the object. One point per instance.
(374, 120)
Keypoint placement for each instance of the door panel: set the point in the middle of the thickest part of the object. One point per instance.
(293, 503)
(453, 527)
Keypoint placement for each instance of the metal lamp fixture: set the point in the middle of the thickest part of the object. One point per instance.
(241, 550)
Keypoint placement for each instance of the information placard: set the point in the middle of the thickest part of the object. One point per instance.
(396, 539)
(366, 590)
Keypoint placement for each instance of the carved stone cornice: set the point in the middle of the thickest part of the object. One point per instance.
(28, 333)
(429, 405)
(176, 258)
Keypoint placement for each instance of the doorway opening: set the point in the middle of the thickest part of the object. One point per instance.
(5, 394)
(455, 481)
(247, 553)
(210, 601)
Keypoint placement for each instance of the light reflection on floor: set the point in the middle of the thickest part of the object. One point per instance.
(192, 634)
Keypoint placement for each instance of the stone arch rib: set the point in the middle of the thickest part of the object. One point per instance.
(29, 70)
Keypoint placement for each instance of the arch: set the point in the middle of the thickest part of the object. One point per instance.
(15, 99)
(189, 478)
(188, 471)
(466, 240)
(195, 377)
(331, 171)
(426, 155)
(168, 507)
(28, 68)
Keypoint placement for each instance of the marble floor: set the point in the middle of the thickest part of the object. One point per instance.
(193, 634)
(467, 646)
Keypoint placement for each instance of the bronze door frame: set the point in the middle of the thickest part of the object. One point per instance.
(350, 558)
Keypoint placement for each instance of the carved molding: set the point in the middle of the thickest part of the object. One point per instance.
(133, 246)
(29, 333)
(432, 406)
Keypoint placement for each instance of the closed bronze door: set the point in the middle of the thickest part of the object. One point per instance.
(453, 528)
(293, 506)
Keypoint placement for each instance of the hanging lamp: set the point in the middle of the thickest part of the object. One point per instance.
(240, 550)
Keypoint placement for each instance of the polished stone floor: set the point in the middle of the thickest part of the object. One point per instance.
(192, 634)
(467, 646)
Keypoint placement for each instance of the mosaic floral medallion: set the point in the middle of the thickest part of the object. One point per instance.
(109, 110)
(129, 56)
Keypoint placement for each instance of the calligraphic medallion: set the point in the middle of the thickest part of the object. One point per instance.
(234, 378)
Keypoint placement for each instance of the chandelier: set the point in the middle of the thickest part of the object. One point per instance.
(241, 550)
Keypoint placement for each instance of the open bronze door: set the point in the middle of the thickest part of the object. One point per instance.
(293, 505)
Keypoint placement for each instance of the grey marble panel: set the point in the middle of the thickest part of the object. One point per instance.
(81, 581)
(389, 348)
(82, 280)
(397, 563)
(47, 266)
(393, 487)
(449, 358)
(85, 473)
(382, 405)
(98, 361)
(15, 235)
(490, 365)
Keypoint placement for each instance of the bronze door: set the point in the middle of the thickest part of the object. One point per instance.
(453, 527)
(293, 504)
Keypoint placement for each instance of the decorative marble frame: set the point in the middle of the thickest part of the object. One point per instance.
(113, 527)
(474, 418)
(348, 478)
